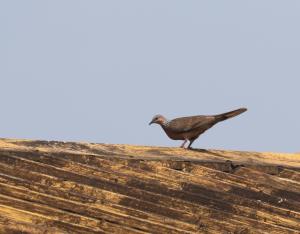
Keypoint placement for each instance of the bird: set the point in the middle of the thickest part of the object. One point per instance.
(191, 127)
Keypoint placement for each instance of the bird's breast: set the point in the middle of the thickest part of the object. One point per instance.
(174, 135)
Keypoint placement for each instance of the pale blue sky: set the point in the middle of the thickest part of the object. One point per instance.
(98, 71)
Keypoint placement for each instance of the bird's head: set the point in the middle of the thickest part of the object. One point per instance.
(158, 119)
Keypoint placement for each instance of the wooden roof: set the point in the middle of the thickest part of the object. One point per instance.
(57, 187)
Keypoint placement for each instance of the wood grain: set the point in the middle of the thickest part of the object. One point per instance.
(69, 187)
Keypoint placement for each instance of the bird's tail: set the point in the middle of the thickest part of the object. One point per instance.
(230, 114)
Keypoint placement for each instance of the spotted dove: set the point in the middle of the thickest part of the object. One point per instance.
(190, 128)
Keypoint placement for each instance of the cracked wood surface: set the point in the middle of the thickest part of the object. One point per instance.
(68, 187)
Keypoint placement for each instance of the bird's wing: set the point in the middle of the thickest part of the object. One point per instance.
(186, 124)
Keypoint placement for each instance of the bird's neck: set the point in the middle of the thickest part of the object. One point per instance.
(165, 123)
(166, 128)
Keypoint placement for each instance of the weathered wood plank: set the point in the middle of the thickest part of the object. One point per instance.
(98, 188)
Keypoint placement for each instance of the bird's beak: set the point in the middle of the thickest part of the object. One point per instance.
(151, 122)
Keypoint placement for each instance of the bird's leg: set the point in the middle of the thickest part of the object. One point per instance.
(191, 142)
(182, 146)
